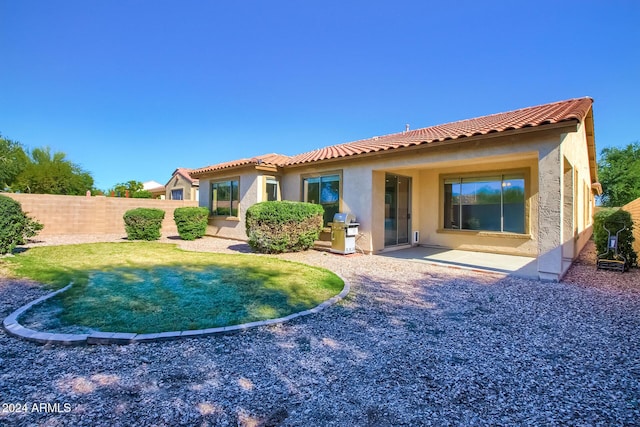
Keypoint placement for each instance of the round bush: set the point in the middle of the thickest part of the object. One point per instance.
(191, 222)
(283, 226)
(15, 225)
(143, 223)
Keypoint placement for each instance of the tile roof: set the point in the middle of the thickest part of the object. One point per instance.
(186, 173)
(557, 112)
(271, 159)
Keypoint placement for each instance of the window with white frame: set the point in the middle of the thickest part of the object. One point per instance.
(225, 198)
(485, 203)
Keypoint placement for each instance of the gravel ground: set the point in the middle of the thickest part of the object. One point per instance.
(413, 344)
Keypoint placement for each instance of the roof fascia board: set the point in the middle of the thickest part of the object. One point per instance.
(591, 148)
(216, 172)
(268, 168)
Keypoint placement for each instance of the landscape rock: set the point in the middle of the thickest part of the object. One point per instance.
(412, 344)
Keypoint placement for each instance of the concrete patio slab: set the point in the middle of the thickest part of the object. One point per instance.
(518, 266)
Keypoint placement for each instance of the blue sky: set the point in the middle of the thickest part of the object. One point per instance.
(130, 90)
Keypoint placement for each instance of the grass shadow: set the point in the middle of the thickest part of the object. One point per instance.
(146, 287)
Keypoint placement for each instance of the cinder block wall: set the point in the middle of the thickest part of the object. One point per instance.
(634, 209)
(91, 215)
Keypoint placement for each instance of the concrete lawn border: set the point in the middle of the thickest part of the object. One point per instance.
(14, 328)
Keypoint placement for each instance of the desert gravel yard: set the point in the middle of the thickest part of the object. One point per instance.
(412, 344)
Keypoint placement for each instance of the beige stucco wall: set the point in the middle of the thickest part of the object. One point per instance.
(579, 202)
(554, 162)
(573, 149)
(431, 220)
(249, 188)
(189, 191)
(356, 183)
(261, 185)
(363, 189)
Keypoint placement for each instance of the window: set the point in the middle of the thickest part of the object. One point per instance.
(176, 194)
(492, 203)
(225, 198)
(271, 189)
(587, 206)
(325, 191)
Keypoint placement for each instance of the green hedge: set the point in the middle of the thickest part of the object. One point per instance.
(274, 227)
(142, 194)
(614, 219)
(143, 223)
(191, 222)
(15, 225)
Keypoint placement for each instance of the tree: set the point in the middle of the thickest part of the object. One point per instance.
(47, 173)
(127, 189)
(619, 174)
(13, 160)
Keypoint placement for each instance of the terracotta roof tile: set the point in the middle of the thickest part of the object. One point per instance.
(186, 173)
(271, 159)
(557, 112)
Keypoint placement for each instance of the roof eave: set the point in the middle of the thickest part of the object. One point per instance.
(591, 150)
(569, 125)
(259, 166)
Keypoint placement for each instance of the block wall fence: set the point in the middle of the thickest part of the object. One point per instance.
(91, 215)
(634, 209)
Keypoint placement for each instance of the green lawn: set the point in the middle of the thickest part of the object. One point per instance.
(148, 287)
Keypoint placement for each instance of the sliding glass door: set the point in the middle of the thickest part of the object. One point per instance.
(397, 209)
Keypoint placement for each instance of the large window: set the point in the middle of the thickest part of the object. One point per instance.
(177, 194)
(225, 198)
(325, 191)
(491, 203)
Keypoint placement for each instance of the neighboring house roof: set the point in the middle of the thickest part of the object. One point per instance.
(548, 114)
(157, 190)
(271, 159)
(149, 185)
(185, 173)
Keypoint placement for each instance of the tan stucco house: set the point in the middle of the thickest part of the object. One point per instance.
(521, 182)
(182, 186)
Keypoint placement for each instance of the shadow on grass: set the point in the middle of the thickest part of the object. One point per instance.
(181, 297)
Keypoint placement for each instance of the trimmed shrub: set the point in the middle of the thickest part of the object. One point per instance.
(615, 219)
(142, 194)
(274, 227)
(143, 223)
(15, 225)
(191, 222)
